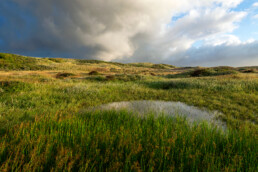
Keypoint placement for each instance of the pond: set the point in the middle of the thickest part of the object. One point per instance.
(141, 108)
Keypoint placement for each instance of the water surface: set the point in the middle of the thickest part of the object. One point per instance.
(141, 108)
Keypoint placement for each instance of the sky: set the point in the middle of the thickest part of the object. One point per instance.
(181, 33)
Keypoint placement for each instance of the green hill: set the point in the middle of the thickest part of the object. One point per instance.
(17, 62)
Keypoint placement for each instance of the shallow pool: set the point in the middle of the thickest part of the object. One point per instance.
(191, 113)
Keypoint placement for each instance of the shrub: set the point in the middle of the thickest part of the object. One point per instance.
(249, 71)
(110, 77)
(94, 73)
(213, 71)
(64, 75)
(201, 72)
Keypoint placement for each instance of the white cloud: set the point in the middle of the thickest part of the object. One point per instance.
(197, 25)
(255, 16)
(255, 4)
(230, 3)
(222, 39)
(249, 41)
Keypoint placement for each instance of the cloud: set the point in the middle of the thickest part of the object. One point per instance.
(222, 40)
(255, 16)
(243, 54)
(197, 25)
(255, 4)
(116, 29)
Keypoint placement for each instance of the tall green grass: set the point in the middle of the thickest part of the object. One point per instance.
(114, 141)
(22, 100)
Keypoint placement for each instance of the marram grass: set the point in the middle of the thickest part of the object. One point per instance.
(119, 141)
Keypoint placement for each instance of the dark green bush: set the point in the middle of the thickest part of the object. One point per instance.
(64, 75)
(94, 73)
(201, 72)
(213, 71)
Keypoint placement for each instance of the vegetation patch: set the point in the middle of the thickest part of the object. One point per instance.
(128, 78)
(41, 129)
(97, 78)
(119, 141)
(57, 60)
(186, 74)
(16, 62)
(173, 85)
(94, 73)
(248, 70)
(83, 62)
(64, 75)
(122, 77)
(213, 71)
(110, 77)
(14, 86)
(162, 66)
(151, 65)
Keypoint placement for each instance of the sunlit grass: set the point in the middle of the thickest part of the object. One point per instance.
(121, 141)
(23, 98)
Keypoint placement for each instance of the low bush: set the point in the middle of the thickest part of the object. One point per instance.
(249, 71)
(110, 77)
(213, 71)
(94, 73)
(64, 75)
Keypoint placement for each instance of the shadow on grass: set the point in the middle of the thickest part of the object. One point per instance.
(14, 86)
(121, 78)
(165, 85)
(205, 72)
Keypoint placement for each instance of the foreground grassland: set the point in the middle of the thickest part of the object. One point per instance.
(41, 126)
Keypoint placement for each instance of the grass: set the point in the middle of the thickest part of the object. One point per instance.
(215, 71)
(16, 62)
(119, 141)
(64, 75)
(41, 128)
